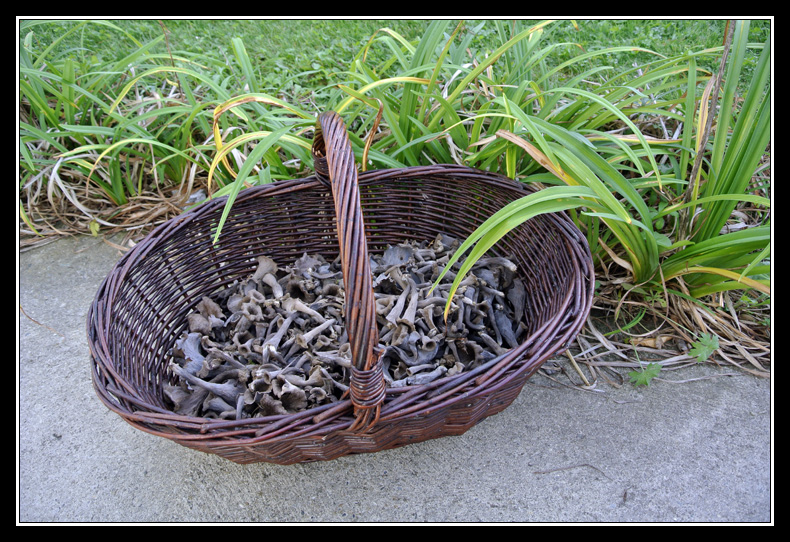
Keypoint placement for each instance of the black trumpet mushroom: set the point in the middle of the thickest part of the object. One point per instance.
(273, 343)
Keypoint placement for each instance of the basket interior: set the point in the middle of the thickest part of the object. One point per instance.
(169, 275)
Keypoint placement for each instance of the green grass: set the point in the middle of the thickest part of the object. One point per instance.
(604, 115)
(288, 55)
(282, 49)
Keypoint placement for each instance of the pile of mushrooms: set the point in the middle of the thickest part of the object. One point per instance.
(275, 343)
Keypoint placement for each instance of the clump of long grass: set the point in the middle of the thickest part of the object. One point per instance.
(101, 140)
(631, 157)
(661, 164)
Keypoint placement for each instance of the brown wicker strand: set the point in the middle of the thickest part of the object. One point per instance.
(332, 139)
(367, 380)
(368, 391)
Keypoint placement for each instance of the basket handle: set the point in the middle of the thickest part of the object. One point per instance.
(334, 159)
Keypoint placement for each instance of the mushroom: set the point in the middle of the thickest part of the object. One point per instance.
(516, 295)
(329, 378)
(226, 390)
(234, 303)
(221, 357)
(307, 264)
(319, 395)
(304, 340)
(219, 406)
(273, 341)
(188, 349)
(207, 307)
(198, 324)
(315, 378)
(269, 406)
(291, 304)
(266, 266)
(185, 402)
(505, 326)
(293, 398)
(332, 358)
(408, 316)
(252, 311)
(271, 281)
(397, 309)
(420, 378)
(397, 255)
(427, 317)
(492, 344)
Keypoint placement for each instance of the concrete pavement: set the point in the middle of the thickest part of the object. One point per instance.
(697, 451)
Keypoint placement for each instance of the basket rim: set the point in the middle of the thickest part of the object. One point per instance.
(562, 328)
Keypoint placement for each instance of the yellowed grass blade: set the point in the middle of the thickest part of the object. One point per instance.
(235, 102)
(388, 81)
(746, 281)
(538, 156)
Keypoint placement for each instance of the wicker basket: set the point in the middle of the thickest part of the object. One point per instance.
(141, 308)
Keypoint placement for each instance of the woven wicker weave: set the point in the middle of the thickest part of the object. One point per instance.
(141, 308)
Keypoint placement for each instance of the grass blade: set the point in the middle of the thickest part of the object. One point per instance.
(548, 200)
(254, 157)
